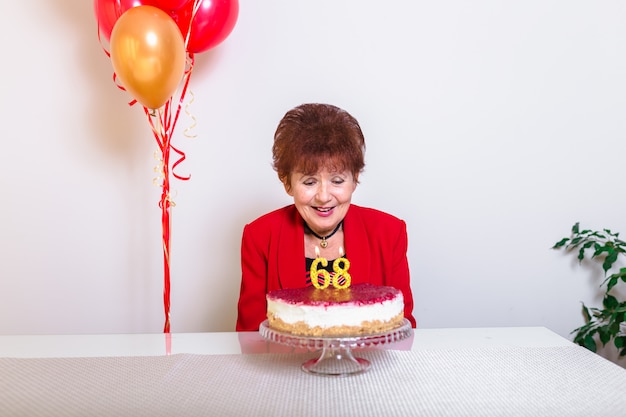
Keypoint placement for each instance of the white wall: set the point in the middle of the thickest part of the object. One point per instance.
(491, 127)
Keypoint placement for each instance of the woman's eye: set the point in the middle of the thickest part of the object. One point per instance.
(338, 181)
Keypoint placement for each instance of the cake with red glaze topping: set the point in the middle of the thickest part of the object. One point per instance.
(360, 309)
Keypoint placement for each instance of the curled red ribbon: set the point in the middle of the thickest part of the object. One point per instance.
(162, 122)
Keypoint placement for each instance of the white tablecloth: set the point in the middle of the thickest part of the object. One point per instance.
(500, 381)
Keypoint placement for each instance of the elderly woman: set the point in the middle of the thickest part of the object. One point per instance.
(318, 154)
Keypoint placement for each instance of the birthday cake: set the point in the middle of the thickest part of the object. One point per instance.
(360, 309)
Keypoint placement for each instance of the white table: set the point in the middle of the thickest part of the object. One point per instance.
(438, 372)
(66, 346)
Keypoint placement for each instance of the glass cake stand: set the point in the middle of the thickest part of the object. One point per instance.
(336, 358)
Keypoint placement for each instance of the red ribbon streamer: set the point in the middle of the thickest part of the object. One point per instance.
(163, 131)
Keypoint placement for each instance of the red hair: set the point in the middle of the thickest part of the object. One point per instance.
(314, 136)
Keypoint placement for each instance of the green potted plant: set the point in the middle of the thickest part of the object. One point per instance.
(607, 323)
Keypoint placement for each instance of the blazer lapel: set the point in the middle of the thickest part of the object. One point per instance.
(291, 264)
(356, 240)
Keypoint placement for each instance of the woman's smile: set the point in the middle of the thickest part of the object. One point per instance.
(324, 211)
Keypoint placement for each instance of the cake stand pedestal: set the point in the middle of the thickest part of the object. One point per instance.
(336, 358)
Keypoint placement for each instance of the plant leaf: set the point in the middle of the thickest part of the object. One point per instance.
(604, 336)
(609, 302)
(589, 343)
(599, 250)
(586, 314)
(610, 259)
(560, 243)
(611, 281)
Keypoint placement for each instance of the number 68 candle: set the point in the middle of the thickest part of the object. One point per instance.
(339, 269)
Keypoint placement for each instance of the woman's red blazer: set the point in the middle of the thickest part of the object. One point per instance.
(272, 257)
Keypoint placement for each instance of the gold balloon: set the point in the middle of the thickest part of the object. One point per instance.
(148, 54)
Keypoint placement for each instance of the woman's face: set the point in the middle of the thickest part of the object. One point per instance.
(322, 199)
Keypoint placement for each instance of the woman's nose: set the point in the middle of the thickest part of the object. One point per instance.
(322, 193)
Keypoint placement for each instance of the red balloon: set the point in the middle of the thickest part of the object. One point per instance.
(108, 11)
(167, 5)
(213, 22)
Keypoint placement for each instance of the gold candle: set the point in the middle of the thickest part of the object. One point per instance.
(315, 273)
(341, 271)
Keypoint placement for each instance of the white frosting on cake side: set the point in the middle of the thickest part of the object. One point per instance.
(339, 315)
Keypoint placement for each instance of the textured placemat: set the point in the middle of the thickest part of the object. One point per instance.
(502, 382)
